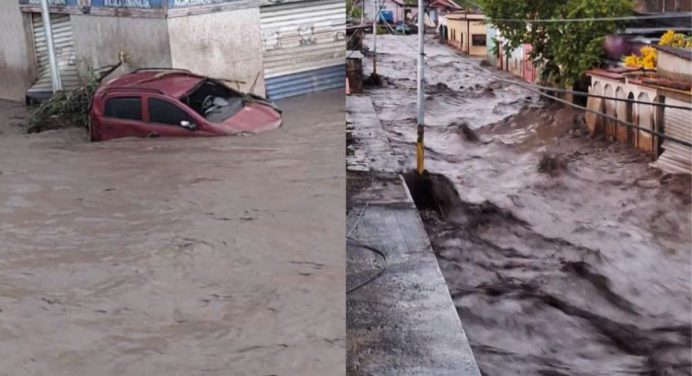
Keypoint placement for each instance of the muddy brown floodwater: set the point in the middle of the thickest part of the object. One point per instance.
(564, 255)
(199, 256)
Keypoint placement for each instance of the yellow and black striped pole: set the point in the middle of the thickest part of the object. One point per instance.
(420, 150)
(420, 146)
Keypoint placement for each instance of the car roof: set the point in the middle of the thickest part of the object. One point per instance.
(170, 82)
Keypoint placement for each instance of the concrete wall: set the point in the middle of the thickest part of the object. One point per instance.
(478, 27)
(16, 74)
(99, 41)
(225, 45)
(456, 32)
(674, 67)
(643, 115)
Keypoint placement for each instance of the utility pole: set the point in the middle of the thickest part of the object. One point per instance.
(362, 13)
(52, 61)
(374, 37)
(421, 93)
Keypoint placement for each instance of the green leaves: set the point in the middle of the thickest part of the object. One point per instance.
(353, 10)
(565, 50)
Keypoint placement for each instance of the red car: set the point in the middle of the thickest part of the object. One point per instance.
(176, 103)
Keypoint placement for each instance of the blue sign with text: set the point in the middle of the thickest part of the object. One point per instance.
(139, 4)
(68, 3)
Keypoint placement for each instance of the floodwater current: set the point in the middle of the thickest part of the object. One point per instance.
(194, 256)
(578, 268)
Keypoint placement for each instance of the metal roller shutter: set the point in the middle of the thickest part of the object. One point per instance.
(303, 47)
(64, 52)
(676, 158)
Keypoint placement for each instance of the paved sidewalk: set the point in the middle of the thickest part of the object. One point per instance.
(403, 322)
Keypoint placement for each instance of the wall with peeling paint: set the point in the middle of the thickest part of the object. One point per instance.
(99, 40)
(190, 34)
(15, 74)
(211, 45)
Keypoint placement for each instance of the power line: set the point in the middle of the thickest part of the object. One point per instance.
(606, 116)
(584, 94)
(535, 89)
(592, 19)
(530, 88)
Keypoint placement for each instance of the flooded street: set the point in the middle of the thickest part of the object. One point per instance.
(204, 256)
(564, 255)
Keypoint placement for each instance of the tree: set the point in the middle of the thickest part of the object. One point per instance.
(565, 50)
(353, 10)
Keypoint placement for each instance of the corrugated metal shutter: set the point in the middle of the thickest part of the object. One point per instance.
(304, 47)
(676, 158)
(64, 52)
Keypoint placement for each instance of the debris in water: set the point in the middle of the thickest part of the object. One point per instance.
(553, 165)
(465, 131)
(374, 80)
(69, 107)
(441, 88)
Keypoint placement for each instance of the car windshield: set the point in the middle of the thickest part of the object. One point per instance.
(214, 101)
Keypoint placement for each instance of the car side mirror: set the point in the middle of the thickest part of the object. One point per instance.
(187, 125)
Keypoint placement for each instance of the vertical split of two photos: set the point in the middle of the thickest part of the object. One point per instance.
(172, 188)
(345, 187)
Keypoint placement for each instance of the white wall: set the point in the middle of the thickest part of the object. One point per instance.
(223, 44)
(674, 67)
(16, 55)
(100, 39)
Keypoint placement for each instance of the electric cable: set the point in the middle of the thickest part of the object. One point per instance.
(364, 246)
(591, 19)
(381, 253)
(609, 117)
(606, 116)
(529, 87)
(585, 94)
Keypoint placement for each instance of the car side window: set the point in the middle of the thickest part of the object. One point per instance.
(165, 112)
(129, 108)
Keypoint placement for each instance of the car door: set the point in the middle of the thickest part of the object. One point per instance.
(167, 118)
(122, 117)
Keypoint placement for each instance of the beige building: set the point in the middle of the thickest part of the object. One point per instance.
(467, 32)
(671, 85)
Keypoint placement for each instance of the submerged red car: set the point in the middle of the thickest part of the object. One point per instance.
(176, 103)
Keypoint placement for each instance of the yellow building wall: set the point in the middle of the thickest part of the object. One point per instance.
(456, 30)
(461, 36)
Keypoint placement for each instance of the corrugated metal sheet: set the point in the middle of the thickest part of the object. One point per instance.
(306, 82)
(676, 158)
(64, 52)
(303, 37)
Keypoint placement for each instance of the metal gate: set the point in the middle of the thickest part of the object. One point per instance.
(64, 53)
(303, 47)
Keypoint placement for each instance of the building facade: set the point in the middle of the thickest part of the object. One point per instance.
(400, 10)
(224, 39)
(467, 33)
(671, 85)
